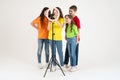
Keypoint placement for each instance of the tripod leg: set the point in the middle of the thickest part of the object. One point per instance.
(48, 66)
(51, 66)
(59, 66)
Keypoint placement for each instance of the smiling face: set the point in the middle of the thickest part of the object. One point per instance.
(55, 13)
(67, 20)
(72, 12)
(46, 12)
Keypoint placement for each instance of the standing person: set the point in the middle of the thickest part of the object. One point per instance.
(72, 12)
(57, 41)
(71, 36)
(41, 24)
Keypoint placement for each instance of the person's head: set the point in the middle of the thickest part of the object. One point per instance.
(43, 13)
(69, 21)
(72, 10)
(56, 12)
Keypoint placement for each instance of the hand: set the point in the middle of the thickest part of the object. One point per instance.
(78, 39)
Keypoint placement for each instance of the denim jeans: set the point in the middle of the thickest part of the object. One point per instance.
(58, 45)
(71, 45)
(66, 61)
(40, 47)
(77, 53)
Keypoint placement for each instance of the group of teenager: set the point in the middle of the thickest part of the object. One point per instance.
(72, 36)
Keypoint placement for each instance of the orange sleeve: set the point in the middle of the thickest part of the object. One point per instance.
(36, 21)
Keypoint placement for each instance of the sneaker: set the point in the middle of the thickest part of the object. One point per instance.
(64, 69)
(66, 66)
(77, 67)
(53, 68)
(73, 69)
(46, 65)
(40, 66)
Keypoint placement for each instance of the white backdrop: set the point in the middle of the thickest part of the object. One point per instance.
(99, 29)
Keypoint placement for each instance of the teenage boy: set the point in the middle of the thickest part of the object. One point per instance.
(72, 11)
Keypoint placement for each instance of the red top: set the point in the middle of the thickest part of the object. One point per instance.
(77, 22)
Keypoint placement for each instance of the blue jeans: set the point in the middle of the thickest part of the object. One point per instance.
(67, 55)
(66, 60)
(58, 45)
(71, 46)
(40, 47)
(77, 53)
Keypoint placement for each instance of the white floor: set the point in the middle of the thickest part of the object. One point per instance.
(12, 68)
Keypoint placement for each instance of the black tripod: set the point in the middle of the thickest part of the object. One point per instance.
(53, 56)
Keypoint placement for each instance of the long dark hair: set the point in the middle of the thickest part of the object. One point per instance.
(61, 14)
(72, 22)
(42, 16)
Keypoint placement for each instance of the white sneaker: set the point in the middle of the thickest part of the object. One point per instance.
(77, 67)
(73, 69)
(40, 66)
(46, 65)
(53, 68)
(66, 66)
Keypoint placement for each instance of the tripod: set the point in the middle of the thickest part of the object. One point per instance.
(53, 56)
